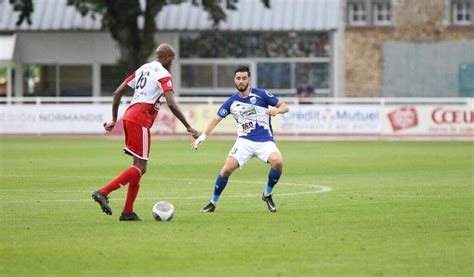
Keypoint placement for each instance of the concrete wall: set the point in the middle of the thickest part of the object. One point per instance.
(65, 48)
(425, 69)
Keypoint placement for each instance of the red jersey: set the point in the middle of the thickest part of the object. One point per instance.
(150, 82)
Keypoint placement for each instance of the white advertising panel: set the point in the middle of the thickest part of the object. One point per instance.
(199, 115)
(433, 120)
(54, 119)
(331, 119)
(373, 119)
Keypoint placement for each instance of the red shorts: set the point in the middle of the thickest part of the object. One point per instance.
(137, 140)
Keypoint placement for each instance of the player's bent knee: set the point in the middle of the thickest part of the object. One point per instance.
(230, 165)
(276, 161)
(278, 165)
(226, 172)
(142, 166)
(142, 169)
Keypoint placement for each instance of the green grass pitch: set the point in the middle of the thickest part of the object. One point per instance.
(394, 208)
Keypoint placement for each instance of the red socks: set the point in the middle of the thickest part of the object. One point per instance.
(132, 192)
(131, 176)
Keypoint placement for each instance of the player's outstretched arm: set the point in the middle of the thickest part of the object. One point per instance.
(210, 126)
(280, 108)
(119, 92)
(170, 100)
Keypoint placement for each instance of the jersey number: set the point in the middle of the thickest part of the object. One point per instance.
(247, 127)
(141, 83)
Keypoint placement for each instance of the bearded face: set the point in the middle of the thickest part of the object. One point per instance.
(241, 81)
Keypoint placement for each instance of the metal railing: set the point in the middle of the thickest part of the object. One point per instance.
(217, 100)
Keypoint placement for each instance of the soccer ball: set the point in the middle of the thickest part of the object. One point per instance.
(163, 211)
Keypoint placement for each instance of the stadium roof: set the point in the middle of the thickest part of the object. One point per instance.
(251, 15)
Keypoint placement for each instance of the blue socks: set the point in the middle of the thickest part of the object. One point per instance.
(273, 177)
(221, 182)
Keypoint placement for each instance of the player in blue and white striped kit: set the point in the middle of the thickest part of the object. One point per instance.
(250, 109)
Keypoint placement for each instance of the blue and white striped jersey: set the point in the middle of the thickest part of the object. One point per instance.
(250, 114)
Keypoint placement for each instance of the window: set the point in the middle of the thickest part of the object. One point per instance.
(253, 44)
(197, 76)
(75, 80)
(357, 13)
(369, 12)
(39, 80)
(462, 11)
(209, 76)
(317, 74)
(281, 77)
(382, 11)
(209, 59)
(225, 75)
(274, 75)
(3, 80)
(111, 77)
(57, 80)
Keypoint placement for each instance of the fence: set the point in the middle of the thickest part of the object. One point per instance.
(449, 118)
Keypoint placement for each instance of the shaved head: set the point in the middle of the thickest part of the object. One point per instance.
(164, 50)
(165, 55)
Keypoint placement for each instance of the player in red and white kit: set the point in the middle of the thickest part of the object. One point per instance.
(149, 84)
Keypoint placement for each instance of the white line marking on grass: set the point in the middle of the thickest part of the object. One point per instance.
(314, 190)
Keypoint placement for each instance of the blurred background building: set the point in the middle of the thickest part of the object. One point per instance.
(361, 67)
(363, 48)
(407, 48)
(65, 54)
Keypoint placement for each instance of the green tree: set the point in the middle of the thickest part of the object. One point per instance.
(121, 19)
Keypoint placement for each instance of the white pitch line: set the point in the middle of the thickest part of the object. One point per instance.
(317, 189)
(146, 177)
